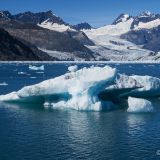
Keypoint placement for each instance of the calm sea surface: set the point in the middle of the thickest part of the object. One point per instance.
(29, 132)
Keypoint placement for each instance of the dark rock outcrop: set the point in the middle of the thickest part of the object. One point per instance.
(82, 26)
(13, 49)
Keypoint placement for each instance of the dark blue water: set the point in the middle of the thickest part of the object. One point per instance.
(29, 132)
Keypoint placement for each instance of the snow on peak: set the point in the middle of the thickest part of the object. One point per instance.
(122, 18)
(148, 25)
(55, 26)
(146, 14)
(114, 29)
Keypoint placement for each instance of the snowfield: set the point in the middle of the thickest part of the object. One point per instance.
(113, 30)
(148, 25)
(55, 26)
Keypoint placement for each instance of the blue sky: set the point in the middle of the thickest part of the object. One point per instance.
(95, 12)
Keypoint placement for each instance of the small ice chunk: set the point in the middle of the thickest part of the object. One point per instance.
(21, 73)
(73, 68)
(139, 105)
(47, 105)
(35, 68)
(3, 84)
(33, 77)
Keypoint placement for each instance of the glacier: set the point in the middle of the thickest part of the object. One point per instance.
(91, 89)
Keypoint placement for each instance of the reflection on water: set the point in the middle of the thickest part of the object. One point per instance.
(71, 134)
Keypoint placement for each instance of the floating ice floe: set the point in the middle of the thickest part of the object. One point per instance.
(35, 68)
(93, 88)
(3, 84)
(21, 73)
(136, 105)
(73, 68)
(33, 77)
(40, 72)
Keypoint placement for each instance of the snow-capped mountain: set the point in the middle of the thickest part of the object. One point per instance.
(128, 38)
(46, 20)
(58, 40)
(38, 18)
(4, 15)
(48, 24)
(121, 18)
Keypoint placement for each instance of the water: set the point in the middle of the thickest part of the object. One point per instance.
(29, 132)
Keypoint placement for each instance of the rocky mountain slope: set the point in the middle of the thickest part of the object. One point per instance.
(29, 27)
(13, 49)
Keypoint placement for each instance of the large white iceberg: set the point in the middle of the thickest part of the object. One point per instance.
(77, 90)
(93, 88)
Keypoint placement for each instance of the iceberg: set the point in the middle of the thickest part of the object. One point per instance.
(77, 90)
(140, 86)
(73, 68)
(21, 73)
(35, 68)
(139, 105)
(91, 89)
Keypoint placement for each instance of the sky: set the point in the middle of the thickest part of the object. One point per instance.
(95, 12)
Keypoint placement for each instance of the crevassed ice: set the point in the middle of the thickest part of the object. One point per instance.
(141, 83)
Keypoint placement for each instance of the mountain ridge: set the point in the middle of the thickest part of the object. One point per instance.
(127, 38)
(25, 27)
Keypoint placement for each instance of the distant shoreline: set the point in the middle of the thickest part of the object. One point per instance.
(79, 62)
